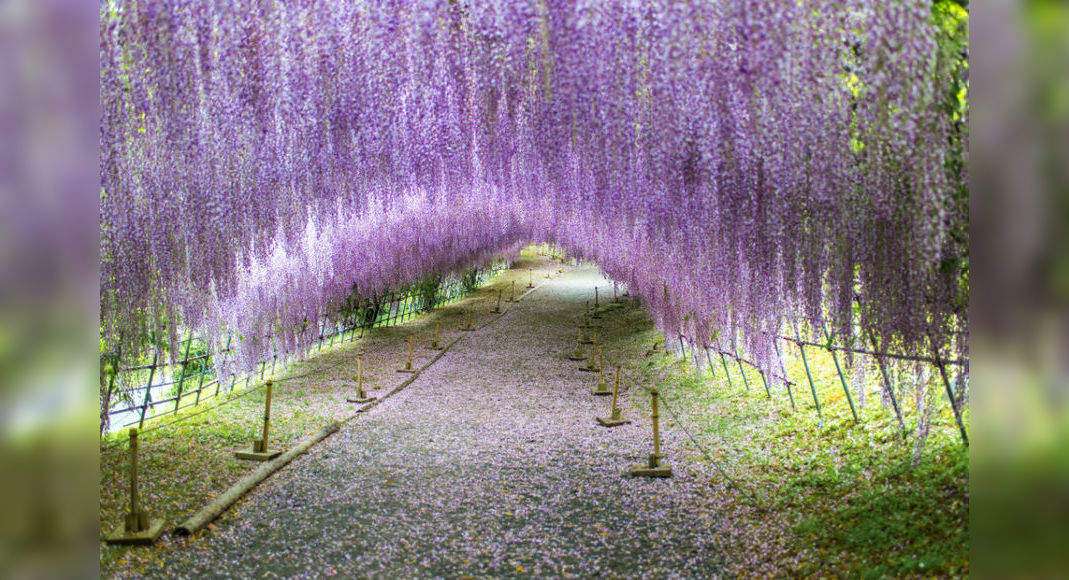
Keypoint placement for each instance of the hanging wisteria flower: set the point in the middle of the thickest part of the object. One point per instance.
(736, 163)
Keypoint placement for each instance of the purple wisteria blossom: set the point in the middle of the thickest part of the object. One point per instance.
(736, 163)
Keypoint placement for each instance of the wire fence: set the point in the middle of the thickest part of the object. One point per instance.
(167, 385)
(882, 360)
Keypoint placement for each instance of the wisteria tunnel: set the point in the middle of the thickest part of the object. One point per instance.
(367, 267)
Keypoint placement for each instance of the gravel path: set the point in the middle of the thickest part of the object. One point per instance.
(489, 464)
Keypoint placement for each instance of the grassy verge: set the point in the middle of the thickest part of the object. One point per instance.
(844, 497)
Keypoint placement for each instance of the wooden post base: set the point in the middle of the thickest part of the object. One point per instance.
(590, 369)
(407, 369)
(644, 471)
(613, 421)
(652, 469)
(602, 389)
(360, 400)
(577, 356)
(258, 452)
(145, 537)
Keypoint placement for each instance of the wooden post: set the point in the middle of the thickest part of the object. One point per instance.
(260, 450)
(578, 354)
(408, 364)
(591, 364)
(655, 467)
(615, 417)
(434, 343)
(137, 528)
(267, 417)
(361, 396)
(602, 388)
(136, 519)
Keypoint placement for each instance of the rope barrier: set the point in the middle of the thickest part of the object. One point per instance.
(249, 391)
(716, 464)
(392, 308)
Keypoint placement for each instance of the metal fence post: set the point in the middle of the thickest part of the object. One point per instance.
(148, 388)
(182, 375)
(839, 369)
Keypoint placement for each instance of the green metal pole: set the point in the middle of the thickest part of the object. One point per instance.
(782, 369)
(764, 379)
(182, 376)
(709, 361)
(742, 371)
(809, 375)
(950, 392)
(838, 368)
(726, 372)
(148, 389)
(887, 384)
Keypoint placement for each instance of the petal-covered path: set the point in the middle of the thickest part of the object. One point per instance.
(490, 463)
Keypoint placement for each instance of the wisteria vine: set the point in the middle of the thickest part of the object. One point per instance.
(736, 163)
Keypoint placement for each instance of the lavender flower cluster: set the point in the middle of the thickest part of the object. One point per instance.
(734, 162)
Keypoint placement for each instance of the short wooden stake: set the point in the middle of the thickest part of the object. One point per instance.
(497, 307)
(578, 354)
(591, 365)
(602, 387)
(260, 450)
(655, 467)
(615, 418)
(467, 326)
(408, 363)
(530, 279)
(137, 527)
(434, 342)
(512, 293)
(360, 396)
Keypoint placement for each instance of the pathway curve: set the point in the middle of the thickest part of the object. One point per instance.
(490, 463)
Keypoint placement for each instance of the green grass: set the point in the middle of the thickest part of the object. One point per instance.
(855, 498)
